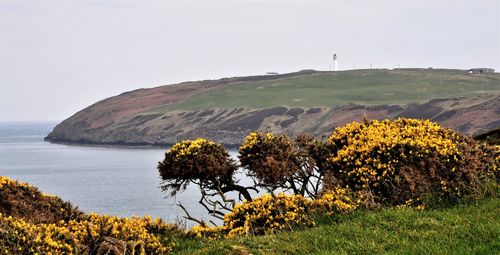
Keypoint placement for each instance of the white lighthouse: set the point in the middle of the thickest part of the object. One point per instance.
(335, 63)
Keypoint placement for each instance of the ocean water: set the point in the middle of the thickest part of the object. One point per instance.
(112, 181)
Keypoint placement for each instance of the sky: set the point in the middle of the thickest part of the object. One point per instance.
(60, 56)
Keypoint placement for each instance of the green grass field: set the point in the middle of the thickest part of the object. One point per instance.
(465, 229)
(333, 89)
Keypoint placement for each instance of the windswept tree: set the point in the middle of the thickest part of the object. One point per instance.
(278, 162)
(206, 164)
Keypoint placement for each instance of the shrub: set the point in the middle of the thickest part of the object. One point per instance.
(264, 215)
(268, 214)
(25, 201)
(406, 160)
(208, 232)
(316, 152)
(278, 162)
(336, 201)
(206, 164)
(34, 223)
(197, 160)
(144, 235)
(269, 158)
(96, 235)
(18, 236)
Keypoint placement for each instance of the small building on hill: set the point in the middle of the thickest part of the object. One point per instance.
(480, 70)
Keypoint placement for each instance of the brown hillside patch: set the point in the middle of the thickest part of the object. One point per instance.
(21, 200)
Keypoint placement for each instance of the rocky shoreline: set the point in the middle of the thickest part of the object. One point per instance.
(229, 126)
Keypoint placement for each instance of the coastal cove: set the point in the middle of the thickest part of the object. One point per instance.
(113, 181)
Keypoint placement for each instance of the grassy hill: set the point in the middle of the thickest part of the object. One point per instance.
(465, 229)
(315, 102)
(365, 87)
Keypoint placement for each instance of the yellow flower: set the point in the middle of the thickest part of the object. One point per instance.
(369, 152)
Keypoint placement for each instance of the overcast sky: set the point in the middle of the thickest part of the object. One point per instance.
(59, 56)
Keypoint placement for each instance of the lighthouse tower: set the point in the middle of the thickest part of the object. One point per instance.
(335, 63)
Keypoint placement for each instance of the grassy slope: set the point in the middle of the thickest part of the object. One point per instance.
(465, 229)
(332, 89)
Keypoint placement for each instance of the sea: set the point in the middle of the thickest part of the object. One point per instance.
(112, 181)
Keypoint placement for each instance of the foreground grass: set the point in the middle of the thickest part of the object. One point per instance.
(465, 229)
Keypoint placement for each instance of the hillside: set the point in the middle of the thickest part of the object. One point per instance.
(308, 101)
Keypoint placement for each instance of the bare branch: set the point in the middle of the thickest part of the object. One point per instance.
(214, 213)
(189, 217)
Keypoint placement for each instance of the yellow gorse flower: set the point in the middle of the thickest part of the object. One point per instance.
(6, 181)
(68, 237)
(371, 151)
(269, 214)
(255, 138)
(336, 201)
(189, 147)
(19, 236)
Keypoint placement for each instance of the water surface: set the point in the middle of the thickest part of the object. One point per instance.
(113, 181)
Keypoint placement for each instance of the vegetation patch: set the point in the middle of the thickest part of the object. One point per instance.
(405, 160)
(371, 187)
(22, 200)
(370, 164)
(57, 230)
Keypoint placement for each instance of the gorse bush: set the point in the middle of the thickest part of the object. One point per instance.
(142, 235)
(270, 158)
(96, 235)
(264, 215)
(22, 200)
(269, 214)
(278, 162)
(406, 160)
(336, 201)
(206, 164)
(18, 236)
(23, 233)
(198, 160)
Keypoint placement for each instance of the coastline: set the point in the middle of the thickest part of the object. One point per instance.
(123, 145)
